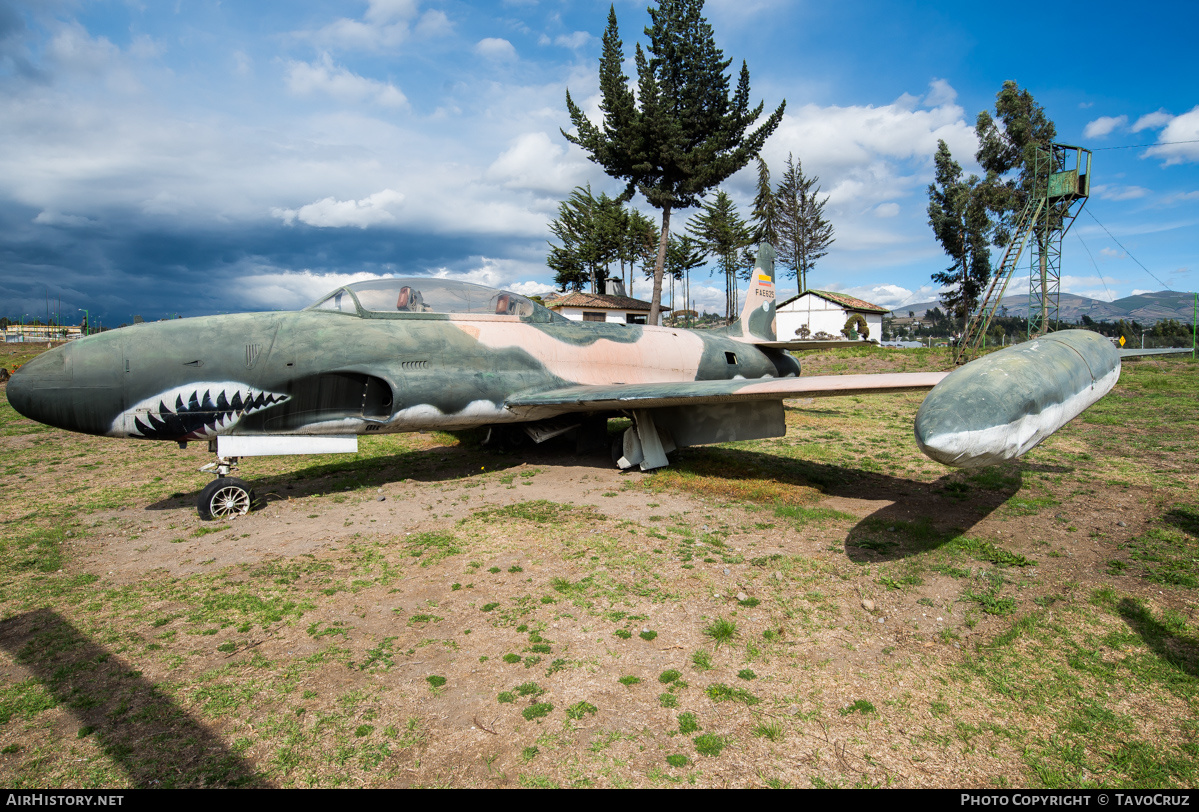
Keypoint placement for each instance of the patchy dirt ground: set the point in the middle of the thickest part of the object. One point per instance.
(826, 609)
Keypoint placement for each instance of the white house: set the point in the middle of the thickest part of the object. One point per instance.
(580, 306)
(824, 312)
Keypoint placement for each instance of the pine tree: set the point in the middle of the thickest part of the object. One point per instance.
(640, 245)
(684, 255)
(958, 215)
(591, 232)
(723, 234)
(765, 211)
(682, 134)
(804, 234)
(1007, 152)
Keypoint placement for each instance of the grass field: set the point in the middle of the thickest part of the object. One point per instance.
(826, 609)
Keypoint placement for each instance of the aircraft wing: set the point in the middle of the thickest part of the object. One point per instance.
(684, 393)
(1138, 353)
(799, 344)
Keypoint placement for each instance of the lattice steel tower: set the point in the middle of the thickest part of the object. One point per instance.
(1061, 178)
(1064, 172)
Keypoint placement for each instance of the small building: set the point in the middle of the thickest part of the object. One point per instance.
(579, 306)
(15, 333)
(823, 311)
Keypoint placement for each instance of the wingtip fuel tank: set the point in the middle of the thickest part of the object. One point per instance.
(1002, 405)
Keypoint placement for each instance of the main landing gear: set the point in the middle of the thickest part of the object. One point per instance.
(226, 496)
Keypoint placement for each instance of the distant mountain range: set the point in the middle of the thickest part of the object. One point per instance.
(1145, 308)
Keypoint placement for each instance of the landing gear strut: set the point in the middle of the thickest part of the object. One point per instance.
(226, 496)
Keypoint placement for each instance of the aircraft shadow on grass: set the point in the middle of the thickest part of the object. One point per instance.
(921, 515)
(151, 739)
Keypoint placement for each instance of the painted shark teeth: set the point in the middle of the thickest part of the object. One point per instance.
(195, 413)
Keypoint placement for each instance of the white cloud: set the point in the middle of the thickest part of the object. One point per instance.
(1112, 253)
(433, 23)
(274, 288)
(1141, 291)
(381, 12)
(377, 209)
(573, 41)
(504, 273)
(1152, 121)
(322, 76)
(72, 48)
(940, 93)
(886, 210)
(536, 161)
(1104, 125)
(384, 25)
(495, 49)
(1183, 128)
(1093, 287)
(1107, 192)
(282, 289)
(890, 296)
(867, 155)
(1177, 197)
(708, 298)
(74, 54)
(243, 65)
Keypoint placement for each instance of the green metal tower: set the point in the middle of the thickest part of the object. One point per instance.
(1061, 178)
(1064, 172)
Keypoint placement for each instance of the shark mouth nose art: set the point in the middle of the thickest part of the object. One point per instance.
(199, 411)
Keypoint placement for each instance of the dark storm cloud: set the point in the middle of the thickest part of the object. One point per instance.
(117, 271)
(14, 53)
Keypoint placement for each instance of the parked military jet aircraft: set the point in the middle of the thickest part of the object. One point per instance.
(394, 355)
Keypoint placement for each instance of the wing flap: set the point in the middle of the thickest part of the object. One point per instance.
(796, 345)
(683, 393)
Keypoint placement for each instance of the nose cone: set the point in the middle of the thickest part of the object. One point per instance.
(44, 373)
(75, 387)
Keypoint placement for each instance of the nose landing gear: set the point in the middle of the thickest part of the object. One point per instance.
(226, 496)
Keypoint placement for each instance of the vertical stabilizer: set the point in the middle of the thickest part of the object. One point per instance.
(757, 316)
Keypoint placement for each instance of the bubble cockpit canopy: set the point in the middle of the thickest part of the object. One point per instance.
(428, 296)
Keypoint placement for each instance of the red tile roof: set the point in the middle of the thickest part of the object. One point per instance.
(600, 302)
(846, 301)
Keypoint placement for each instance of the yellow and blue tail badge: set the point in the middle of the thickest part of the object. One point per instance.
(757, 322)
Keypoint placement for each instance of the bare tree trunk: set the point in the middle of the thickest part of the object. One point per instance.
(655, 302)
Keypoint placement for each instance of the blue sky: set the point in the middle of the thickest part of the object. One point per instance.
(202, 157)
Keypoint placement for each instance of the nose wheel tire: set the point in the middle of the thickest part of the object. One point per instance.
(225, 498)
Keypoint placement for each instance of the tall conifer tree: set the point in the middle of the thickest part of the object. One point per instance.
(804, 234)
(682, 133)
(723, 234)
(958, 216)
(1007, 145)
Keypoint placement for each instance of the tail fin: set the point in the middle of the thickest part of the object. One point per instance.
(757, 316)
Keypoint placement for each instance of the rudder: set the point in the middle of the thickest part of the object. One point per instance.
(757, 318)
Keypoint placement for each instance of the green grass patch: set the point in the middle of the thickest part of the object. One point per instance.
(709, 744)
(688, 723)
(720, 692)
(580, 709)
(537, 710)
(862, 706)
(431, 547)
(721, 631)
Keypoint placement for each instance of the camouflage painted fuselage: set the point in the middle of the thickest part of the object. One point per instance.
(316, 372)
(397, 355)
